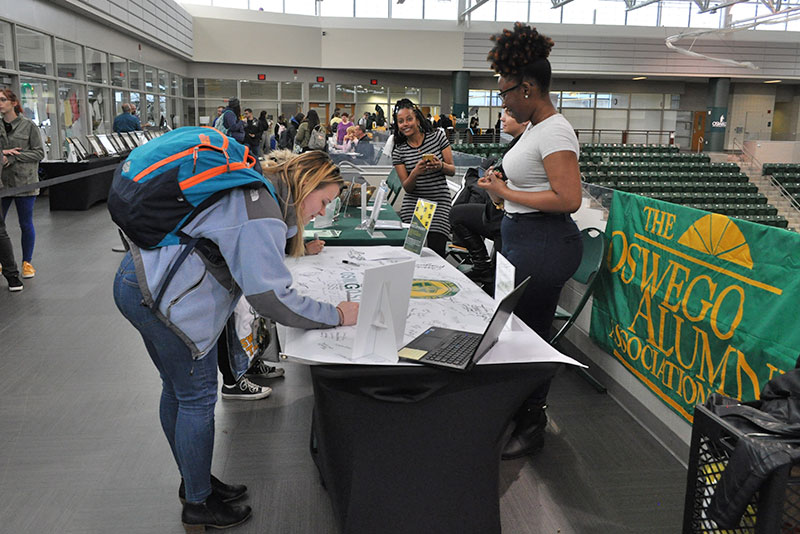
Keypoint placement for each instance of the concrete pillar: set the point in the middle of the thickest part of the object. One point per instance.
(717, 121)
(461, 94)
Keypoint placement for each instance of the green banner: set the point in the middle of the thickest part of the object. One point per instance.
(693, 302)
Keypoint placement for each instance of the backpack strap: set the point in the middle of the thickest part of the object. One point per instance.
(190, 245)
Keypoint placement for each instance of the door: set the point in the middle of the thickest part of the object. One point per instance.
(322, 109)
(698, 130)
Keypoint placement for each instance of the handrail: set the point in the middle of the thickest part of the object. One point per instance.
(700, 144)
(624, 133)
(793, 203)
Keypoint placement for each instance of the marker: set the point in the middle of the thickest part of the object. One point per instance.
(316, 236)
(351, 263)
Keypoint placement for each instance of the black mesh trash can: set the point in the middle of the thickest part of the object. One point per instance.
(774, 509)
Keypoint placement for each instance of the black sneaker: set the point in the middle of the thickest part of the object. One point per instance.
(245, 390)
(14, 284)
(261, 370)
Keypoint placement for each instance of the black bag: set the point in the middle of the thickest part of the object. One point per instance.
(771, 440)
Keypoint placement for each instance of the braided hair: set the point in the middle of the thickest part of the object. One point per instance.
(424, 124)
(522, 54)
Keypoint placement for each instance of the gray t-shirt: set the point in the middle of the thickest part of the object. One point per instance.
(523, 164)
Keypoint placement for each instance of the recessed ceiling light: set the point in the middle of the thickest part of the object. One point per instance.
(772, 81)
(640, 78)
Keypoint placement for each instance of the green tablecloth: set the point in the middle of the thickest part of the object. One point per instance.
(351, 237)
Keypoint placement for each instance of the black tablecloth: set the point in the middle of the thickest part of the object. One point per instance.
(82, 193)
(416, 449)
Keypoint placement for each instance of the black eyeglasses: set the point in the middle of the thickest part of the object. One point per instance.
(502, 94)
(3, 99)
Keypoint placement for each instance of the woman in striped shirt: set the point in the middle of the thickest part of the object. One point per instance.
(423, 177)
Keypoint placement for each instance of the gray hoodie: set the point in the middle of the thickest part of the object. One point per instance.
(250, 231)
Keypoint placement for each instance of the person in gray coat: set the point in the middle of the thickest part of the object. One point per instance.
(22, 151)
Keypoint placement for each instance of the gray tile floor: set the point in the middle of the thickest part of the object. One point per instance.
(81, 450)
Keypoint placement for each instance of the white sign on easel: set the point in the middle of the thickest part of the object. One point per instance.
(503, 285)
(382, 312)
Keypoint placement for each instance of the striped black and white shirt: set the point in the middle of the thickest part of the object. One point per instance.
(429, 186)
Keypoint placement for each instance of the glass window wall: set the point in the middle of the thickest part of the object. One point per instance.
(96, 66)
(319, 92)
(578, 12)
(300, 7)
(647, 101)
(291, 91)
(372, 9)
(609, 12)
(643, 16)
(410, 9)
(119, 71)
(175, 85)
(542, 11)
(257, 90)
(436, 10)
(163, 82)
(100, 118)
(135, 75)
(34, 51)
(188, 87)
(398, 92)
(149, 78)
(575, 99)
(511, 10)
(6, 46)
(345, 93)
(69, 60)
(38, 101)
(215, 88)
(338, 8)
(675, 14)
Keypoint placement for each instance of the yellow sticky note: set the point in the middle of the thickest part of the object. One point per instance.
(411, 354)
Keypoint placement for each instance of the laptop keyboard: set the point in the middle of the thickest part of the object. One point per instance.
(457, 351)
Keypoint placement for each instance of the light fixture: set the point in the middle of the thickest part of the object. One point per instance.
(772, 81)
(640, 78)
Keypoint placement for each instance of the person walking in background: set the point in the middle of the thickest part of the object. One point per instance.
(126, 121)
(341, 128)
(231, 121)
(288, 135)
(7, 262)
(264, 124)
(336, 118)
(306, 128)
(252, 132)
(544, 187)
(22, 153)
(423, 177)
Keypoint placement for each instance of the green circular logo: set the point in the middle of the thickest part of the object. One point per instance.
(433, 289)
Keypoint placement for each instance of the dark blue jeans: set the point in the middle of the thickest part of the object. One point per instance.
(24, 207)
(189, 386)
(548, 248)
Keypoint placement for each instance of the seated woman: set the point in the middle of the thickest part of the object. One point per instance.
(349, 140)
(477, 218)
(246, 232)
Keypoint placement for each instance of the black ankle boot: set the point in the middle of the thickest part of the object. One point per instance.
(226, 492)
(212, 513)
(481, 263)
(528, 435)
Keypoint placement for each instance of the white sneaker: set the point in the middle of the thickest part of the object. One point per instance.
(245, 390)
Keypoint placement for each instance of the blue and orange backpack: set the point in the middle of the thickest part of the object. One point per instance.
(164, 183)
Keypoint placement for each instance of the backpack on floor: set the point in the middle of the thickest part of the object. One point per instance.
(164, 183)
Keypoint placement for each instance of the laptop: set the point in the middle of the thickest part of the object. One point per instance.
(456, 349)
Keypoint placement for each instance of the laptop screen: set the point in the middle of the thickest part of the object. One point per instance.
(499, 319)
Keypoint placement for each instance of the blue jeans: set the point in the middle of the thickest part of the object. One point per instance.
(189, 387)
(24, 207)
(548, 248)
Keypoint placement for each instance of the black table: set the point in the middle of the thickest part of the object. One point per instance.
(81, 193)
(413, 449)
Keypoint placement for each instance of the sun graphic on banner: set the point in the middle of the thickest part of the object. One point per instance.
(717, 235)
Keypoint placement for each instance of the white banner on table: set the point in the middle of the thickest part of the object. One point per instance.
(441, 296)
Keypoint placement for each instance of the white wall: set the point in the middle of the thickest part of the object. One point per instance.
(750, 113)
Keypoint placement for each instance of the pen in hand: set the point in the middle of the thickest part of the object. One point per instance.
(348, 262)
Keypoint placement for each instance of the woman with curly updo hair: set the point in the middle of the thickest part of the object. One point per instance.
(543, 188)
